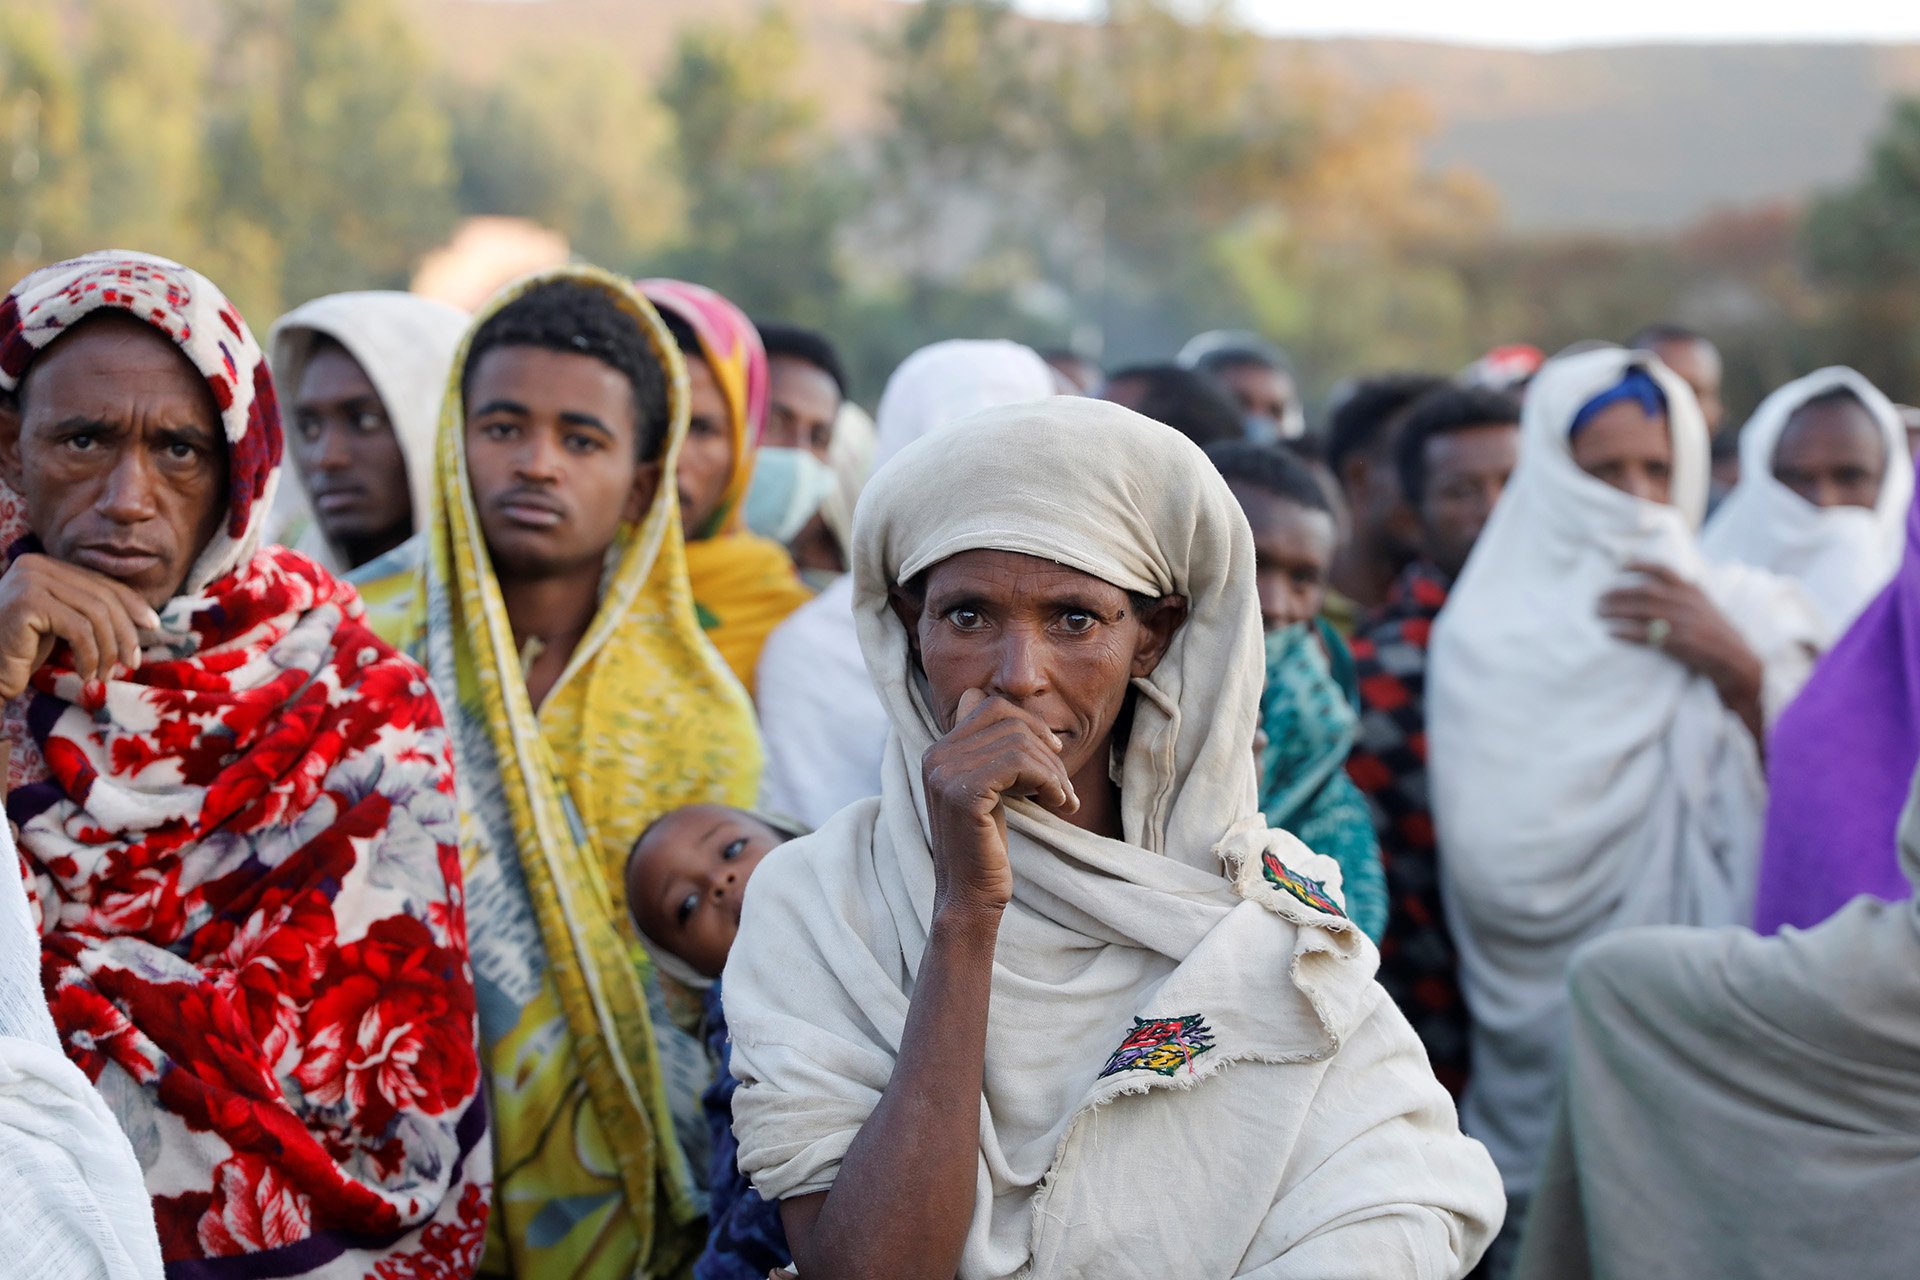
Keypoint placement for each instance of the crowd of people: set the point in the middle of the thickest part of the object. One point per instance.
(562, 792)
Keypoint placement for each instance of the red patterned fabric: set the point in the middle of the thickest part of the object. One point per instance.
(1418, 965)
(244, 861)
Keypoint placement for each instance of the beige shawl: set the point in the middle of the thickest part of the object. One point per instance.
(1742, 1106)
(1188, 1064)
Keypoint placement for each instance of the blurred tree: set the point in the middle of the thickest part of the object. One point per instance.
(145, 97)
(1864, 242)
(43, 199)
(573, 140)
(331, 160)
(767, 191)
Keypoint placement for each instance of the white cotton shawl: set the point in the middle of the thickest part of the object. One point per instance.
(1297, 1131)
(822, 723)
(1742, 1106)
(1842, 556)
(1582, 783)
(73, 1202)
(404, 343)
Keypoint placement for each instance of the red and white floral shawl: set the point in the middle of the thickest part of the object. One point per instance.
(244, 861)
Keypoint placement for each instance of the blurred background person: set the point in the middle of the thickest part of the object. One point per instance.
(1308, 704)
(1825, 484)
(1380, 540)
(1257, 375)
(1597, 700)
(1191, 403)
(744, 585)
(1455, 453)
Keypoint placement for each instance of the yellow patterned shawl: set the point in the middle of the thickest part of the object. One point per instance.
(585, 1073)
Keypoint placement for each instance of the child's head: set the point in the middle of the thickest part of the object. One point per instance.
(1293, 527)
(686, 878)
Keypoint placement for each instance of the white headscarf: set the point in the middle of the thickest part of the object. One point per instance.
(404, 343)
(1785, 1064)
(851, 457)
(823, 727)
(1582, 783)
(1328, 1139)
(1843, 556)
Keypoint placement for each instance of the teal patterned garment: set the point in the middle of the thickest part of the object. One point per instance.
(1308, 713)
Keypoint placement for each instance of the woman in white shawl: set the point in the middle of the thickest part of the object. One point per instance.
(823, 726)
(1742, 1106)
(361, 431)
(1596, 695)
(1188, 1067)
(1825, 482)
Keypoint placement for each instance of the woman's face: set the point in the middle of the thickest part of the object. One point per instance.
(1629, 450)
(1056, 642)
(706, 457)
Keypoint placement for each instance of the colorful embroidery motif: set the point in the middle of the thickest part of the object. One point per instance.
(1305, 888)
(1162, 1046)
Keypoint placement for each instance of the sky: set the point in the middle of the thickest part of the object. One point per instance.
(1557, 23)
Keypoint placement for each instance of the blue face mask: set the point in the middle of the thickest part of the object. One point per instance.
(787, 489)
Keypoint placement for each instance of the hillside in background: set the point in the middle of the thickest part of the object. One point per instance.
(1621, 139)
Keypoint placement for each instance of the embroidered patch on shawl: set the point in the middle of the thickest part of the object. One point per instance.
(1162, 1045)
(1308, 890)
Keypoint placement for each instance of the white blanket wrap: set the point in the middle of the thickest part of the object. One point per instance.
(1842, 556)
(1582, 783)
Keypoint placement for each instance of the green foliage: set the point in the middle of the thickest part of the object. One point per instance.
(574, 141)
(766, 194)
(1121, 183)
(329, 141)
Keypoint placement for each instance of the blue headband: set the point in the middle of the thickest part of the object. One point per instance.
(1638, 386)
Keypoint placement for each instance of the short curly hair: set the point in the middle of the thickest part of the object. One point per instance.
(582, 319)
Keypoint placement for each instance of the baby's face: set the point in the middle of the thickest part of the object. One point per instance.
(688, 877)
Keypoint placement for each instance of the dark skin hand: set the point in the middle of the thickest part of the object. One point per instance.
(1701, 638)
(1028, 667)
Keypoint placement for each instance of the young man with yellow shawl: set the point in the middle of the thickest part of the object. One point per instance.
(743, 585)
(549, 600)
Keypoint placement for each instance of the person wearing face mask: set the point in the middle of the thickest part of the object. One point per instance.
(794, 471)
(825, 730)
(1308, 705)
(1256, 374)
(744, 584)
(1455, 452)
(1826, 480)
(1598, 694)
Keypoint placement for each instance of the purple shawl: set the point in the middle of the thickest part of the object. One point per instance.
(1841, 761)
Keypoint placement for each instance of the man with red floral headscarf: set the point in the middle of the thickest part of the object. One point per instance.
(234, 804)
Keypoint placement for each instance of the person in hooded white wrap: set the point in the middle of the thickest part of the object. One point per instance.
(404, 344)
(823, 727)
(75, 1203)
(1742, 1106)
(1584, 779)
(1841, 554)
(1188, 1067)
